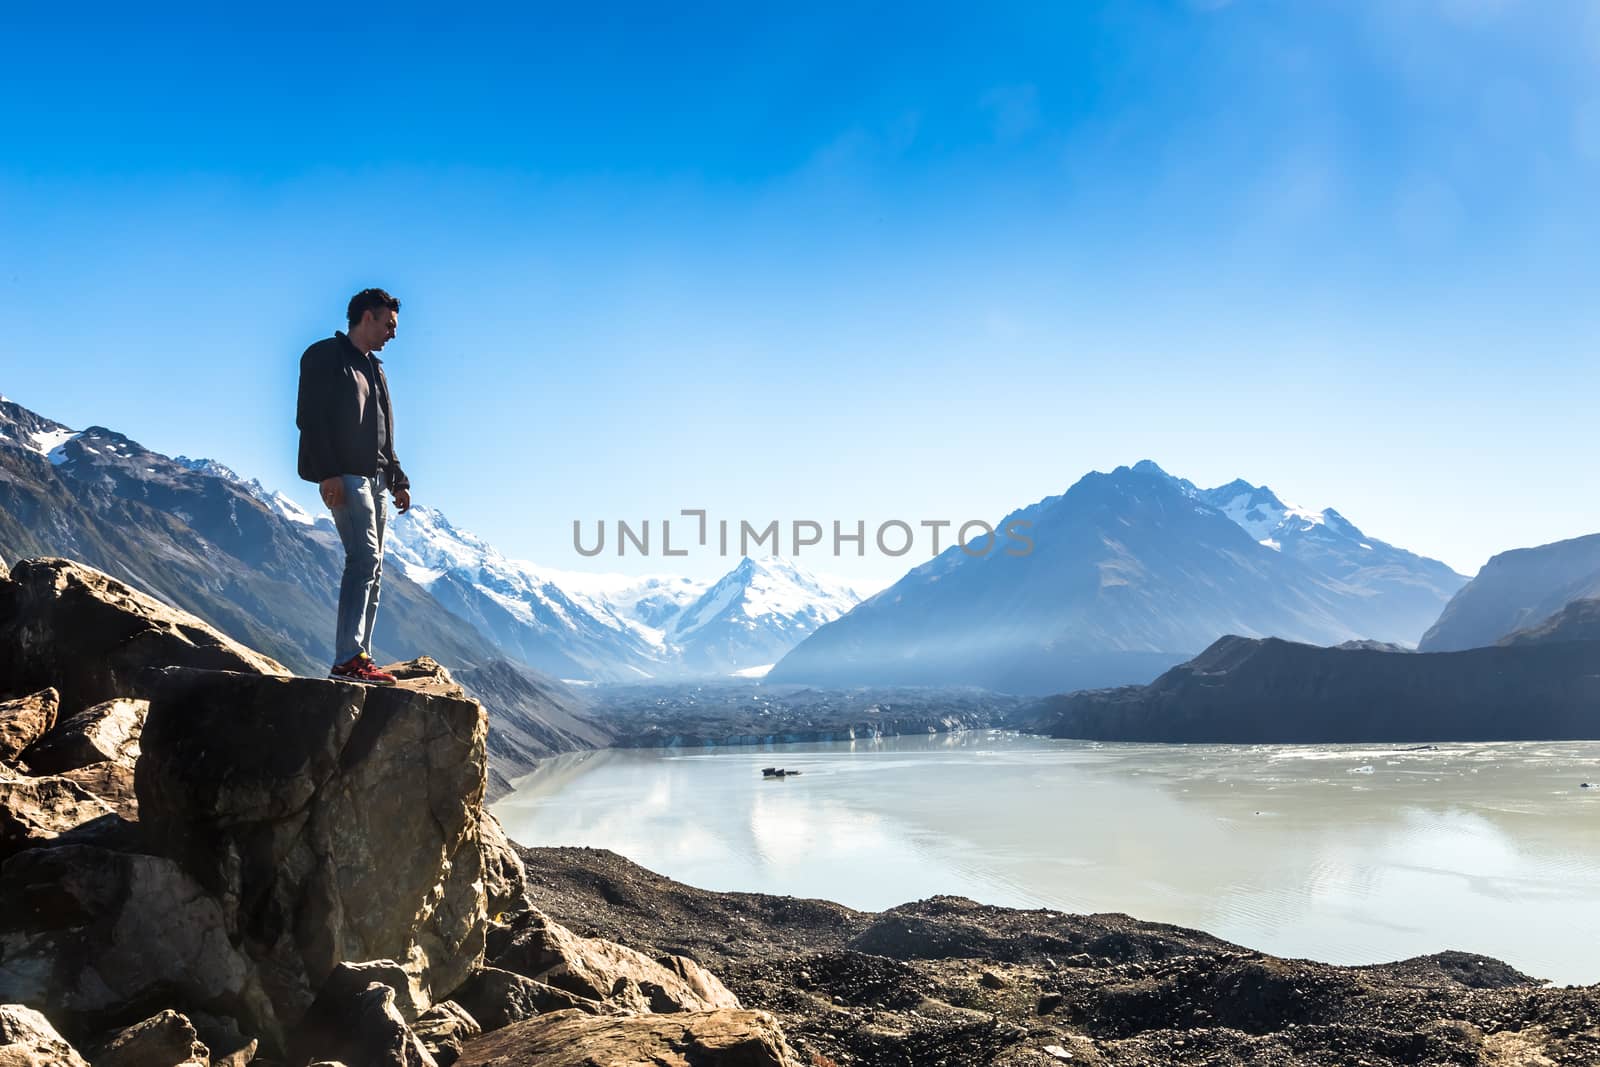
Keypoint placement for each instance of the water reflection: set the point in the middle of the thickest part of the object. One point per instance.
(1353, 854)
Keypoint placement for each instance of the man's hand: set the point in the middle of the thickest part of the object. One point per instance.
(332, 491)
(402, 500)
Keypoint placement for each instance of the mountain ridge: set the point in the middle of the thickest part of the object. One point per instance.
(1132, 572)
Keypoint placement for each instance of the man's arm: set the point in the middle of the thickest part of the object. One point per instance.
(314, 417)
(399, 484)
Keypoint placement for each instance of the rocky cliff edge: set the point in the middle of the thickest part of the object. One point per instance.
(205, 860)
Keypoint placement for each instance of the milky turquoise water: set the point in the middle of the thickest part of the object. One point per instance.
(1344, 853)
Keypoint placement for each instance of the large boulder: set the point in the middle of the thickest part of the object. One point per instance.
(36, 810)
(111, 782)
(92, 637)
(103, 936)
(443, 1029)
(504, 877)
(497, 998)
(596, 969)
(101, 733)
(167, 1039)
(724, 1038)
(24, 720)
(332, 821)
(355, 1019)
(28, 1040)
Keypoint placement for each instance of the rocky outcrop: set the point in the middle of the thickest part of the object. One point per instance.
(112, 783)
(723, 1038)
(444, 1029)
(24, 720)
(91, 637)
(28, 1040)
(164, 1040)
(225, 847)
(595, 969)
(107, 732)
(1248, 691)
(497, 998)
(356, 1019)
(504, 879)
(94, 933)
(36, 810)
(331, 821)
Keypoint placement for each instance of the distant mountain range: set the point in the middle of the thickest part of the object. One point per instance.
(260, 567)
(1131, 572)
(1515, 590)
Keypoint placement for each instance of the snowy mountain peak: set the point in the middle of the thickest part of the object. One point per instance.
(1259, 511)
(209, 466)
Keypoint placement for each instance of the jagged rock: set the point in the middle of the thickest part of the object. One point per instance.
(164, 1040)
(228, 1045)
(104, 732)
(546, 951)
(504, 878)
(98, 933)
(358, 1026)
(111, 782)
(66, 625)
(333, 822)
(349, 979)
(443, 1029)
(35, 810)
(497, 998)
(239, 1057)
(28, 1040)
(24, 720)
(723, 1038)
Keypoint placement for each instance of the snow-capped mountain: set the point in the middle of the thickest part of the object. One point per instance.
(610, 627)
(755, 614)
(1131, 572)
(528, 615)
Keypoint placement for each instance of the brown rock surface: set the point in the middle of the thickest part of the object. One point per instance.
(92, 637)
(36, 810)
(98, 934)
(504, 878)
(497, 998)
(111, 782)
(721, 1038)
(356, 1020)
(28, 1040)
(107, 732)
(546, 951)
(333, 822)
(24, 720)
(164, 1040)
(444, 1029)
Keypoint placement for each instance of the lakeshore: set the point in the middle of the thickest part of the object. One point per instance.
(1347, 854)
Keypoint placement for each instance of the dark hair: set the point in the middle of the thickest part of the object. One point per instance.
(369, 300)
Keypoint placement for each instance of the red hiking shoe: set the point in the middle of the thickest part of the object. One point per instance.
(360, 668)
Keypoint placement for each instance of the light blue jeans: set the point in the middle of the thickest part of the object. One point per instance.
(360, 521)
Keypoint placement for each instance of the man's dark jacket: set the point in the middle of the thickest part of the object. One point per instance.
(338, 434)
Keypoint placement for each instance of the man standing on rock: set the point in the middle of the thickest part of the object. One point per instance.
(347, 448)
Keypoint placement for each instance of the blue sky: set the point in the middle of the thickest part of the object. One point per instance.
(865, 262)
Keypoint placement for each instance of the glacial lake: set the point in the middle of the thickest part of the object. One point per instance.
(1342, 853)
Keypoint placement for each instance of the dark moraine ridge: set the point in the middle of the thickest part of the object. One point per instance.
(1268, 691)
